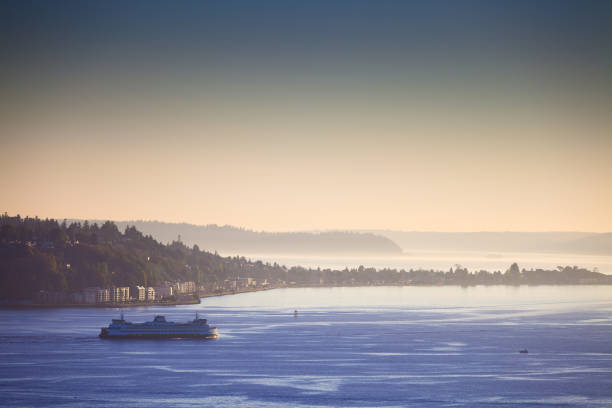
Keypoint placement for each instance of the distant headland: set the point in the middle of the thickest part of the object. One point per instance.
(227, 239)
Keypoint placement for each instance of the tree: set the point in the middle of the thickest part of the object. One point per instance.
(58, 237)
(109, 232)
(513, 274)
(8, 233)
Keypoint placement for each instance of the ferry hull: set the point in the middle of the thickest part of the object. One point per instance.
(132, 336)
(159, 328)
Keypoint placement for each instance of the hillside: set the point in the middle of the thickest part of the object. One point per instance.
(595, 243)
(230, 240)
(38, 254)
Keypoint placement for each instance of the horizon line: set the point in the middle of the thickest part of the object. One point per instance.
(358, 230)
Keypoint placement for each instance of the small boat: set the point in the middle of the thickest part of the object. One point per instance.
(523, 351)
(295, 313)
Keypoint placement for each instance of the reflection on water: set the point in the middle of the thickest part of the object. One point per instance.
(349, 347)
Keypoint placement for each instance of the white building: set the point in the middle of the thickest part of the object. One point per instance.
(120, 294)
(150, 291)
(186, 287)
(138, 293)
(102, 296)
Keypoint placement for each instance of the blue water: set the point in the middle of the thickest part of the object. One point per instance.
(348, 347)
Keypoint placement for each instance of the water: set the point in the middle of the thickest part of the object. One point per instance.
(444, 260)
(366, 347)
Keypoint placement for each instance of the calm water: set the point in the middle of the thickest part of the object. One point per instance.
(368, 347)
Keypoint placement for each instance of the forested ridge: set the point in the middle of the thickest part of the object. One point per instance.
(231, 240)
(44, 254)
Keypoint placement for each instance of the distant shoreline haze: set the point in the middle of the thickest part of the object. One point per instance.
(567, 242)
(233, 240)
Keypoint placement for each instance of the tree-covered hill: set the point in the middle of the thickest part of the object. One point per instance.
(37, 254)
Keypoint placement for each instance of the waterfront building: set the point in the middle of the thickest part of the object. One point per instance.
(103, 296)
(186, 287)
(89, 295)
(138, 293)
(120, 294)
(76, 297)
(150, 293)
(163, 291)
(229, 284)
(244, 282)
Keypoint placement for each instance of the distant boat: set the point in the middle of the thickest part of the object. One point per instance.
(159, 328)
(523, 351)
(295, 313)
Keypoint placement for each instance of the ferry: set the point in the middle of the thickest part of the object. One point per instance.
(159, 328)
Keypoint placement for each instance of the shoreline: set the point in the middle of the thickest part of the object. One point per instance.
(237, 292)
(128, 305)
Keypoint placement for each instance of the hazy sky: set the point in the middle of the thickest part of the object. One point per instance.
(289, 115)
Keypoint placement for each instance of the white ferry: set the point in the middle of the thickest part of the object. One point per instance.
(159, 328)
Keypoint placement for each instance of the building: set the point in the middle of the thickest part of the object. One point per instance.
(77, 297)
(150, 293)
(89, 295)
(244, 282)
(163, 291)
(120, 294)
(229, 284)
(138, 293)
(186, 287)
(103, 296)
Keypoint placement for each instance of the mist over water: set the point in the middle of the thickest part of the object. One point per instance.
(444, 260)
(348, 347)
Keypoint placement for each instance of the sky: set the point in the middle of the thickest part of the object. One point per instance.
(293, 115)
